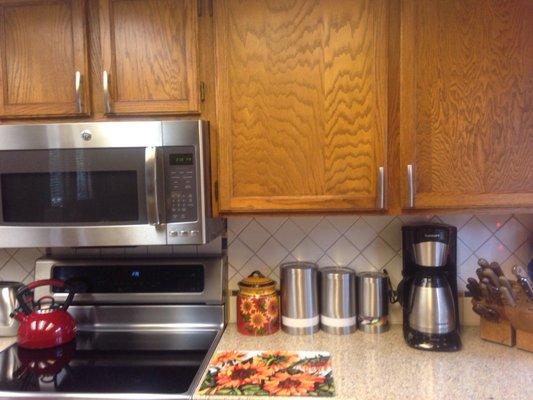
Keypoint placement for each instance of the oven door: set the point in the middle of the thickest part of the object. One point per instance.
(100, 192)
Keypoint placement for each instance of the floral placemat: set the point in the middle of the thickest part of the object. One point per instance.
(269, 373)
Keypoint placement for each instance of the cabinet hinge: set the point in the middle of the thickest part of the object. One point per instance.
(216, 191)
(202, 91)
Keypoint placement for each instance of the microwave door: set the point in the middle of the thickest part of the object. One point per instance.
(79, 197)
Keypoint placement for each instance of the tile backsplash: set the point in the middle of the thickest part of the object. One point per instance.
(370, 242)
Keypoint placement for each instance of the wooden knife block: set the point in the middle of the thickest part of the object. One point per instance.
(500, 332)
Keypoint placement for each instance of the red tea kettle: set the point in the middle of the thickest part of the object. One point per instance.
(43, 327)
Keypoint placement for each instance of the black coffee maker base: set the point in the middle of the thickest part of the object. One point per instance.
(422, 341)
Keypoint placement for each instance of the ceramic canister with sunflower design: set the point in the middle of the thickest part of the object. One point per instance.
(257, 306)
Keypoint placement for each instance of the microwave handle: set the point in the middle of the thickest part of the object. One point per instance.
(150, 170)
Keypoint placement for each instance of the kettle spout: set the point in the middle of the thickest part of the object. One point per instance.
(19, 316)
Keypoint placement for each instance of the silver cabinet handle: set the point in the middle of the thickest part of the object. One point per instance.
(381, 188)
(77, 87)
(410, 187)
(105, 86)
(150, 172)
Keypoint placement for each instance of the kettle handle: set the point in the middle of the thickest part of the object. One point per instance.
(44, 282)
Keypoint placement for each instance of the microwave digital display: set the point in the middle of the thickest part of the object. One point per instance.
(181, 159)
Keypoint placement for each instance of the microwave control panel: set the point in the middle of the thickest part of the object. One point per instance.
(180, 172)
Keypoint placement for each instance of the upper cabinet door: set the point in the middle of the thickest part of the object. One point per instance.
(467, 103)
(149, 52)
(43, 58)
(302, 104)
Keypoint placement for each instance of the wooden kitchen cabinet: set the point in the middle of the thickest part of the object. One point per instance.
(302, 104)
(149, 54)
(43, 58)
(466, 116)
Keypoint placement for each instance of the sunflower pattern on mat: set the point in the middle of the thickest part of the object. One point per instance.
(269, 373)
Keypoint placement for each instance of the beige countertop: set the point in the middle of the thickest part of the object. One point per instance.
(367, 366)
(382, 366)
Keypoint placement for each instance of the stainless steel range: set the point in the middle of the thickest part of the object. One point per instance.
(146, 329)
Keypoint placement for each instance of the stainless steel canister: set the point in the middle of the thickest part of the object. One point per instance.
(8, 303)
(299, 298)
(373, 301)
(337, 300)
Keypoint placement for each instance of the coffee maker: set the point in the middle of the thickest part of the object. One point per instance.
(428, 290)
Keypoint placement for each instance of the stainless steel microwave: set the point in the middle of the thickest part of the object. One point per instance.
(106, 184)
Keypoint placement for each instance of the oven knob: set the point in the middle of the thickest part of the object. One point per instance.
(86, 135)
(184, 233)
(173, 233)
(194, 233)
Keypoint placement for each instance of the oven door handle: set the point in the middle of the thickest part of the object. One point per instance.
(152, 201)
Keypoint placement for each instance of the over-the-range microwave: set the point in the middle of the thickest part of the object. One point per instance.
(106, 184)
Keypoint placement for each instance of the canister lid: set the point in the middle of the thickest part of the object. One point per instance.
(336, 271)
(257, 281)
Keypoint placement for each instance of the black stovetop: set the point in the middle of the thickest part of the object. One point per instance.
(109, 362)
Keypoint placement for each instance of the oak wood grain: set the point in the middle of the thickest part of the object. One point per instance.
(149, 49)
(302, 103)
(467, 102)
(42, 45)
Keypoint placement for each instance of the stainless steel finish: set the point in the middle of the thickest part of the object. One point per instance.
(372, 301)
(8, 303)
(410, 187)
(214, 267)
(69, 135)
(338, 313)
(431, 254)
(77, 88)
(432, 308)
(381, 188)
(183, 324)
(299, 298)
(152, 202)
(195, 133)
(105, 87)
(9, 364)
(151, 135)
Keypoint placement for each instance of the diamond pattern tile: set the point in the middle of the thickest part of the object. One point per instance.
(254, 235)
(324, 234)
(360, 234)
(474, 234)
(373, 242)
(342, 252)
(513, 234)
(360, 242)
(272, 252)
(379, 253)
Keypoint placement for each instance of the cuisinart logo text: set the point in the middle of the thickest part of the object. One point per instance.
(431, 235)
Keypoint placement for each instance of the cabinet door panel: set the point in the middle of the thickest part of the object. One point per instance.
(149, 50)
(467, 95)
(42, 46)
(302, 102)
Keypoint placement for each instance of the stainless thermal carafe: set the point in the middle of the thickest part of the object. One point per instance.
(337, 300)
(373, 302)
(8, 303)
(432, 309)
(299, 298)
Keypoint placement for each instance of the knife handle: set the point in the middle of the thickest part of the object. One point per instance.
(507, 296)
(479, 273)
(483, 263)
(496, 268)
(489, 273)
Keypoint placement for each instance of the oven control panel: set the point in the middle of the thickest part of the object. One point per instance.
(180, 173)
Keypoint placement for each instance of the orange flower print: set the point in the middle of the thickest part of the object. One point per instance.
(314, 365)
(258, 320)
(277, 360)
(233, 376)
(248, 306)
(227, 357)
(284, 384)
(271, 307)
